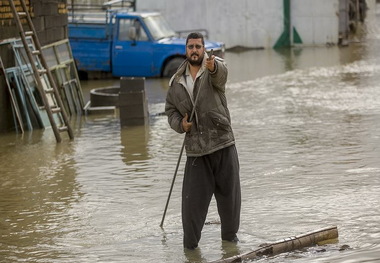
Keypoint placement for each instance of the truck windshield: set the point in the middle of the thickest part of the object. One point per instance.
(158, 27)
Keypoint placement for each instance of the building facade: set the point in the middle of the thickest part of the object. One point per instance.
(265, 23)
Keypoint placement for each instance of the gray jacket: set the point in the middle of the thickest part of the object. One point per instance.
(211, 129)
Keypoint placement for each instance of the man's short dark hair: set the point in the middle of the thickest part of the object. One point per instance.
(195, 35)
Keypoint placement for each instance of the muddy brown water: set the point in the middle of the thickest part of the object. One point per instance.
(307, 126)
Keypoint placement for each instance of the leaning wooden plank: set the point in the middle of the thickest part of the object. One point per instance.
(287, 245)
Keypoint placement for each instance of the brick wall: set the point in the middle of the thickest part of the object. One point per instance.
(50, 21)
(49, 18)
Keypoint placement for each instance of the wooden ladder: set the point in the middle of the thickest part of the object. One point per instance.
(44, 80)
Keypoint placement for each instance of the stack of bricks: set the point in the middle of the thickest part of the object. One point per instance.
(8, 27)
(50, 21)
(49, 18)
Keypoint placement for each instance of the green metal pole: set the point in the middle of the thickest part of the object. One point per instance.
(284, 40)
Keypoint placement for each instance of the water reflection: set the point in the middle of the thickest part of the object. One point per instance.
(135, 140)
(33, 207)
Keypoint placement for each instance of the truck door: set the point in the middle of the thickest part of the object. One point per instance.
(131, 57)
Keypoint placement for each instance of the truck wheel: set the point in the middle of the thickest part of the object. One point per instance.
(172, 67)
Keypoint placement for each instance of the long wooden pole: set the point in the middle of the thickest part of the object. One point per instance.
(180, 156)
(183, 146)
(287, 245)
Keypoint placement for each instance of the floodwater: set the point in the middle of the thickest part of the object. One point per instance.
(307, 126)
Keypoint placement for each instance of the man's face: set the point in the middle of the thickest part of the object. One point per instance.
(195, 51)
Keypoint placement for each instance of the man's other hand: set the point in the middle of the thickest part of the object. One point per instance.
(186, 125)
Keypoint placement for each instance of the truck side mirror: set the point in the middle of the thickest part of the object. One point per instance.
(132, 33)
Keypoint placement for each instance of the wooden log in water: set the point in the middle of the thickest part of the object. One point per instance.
(287, 245)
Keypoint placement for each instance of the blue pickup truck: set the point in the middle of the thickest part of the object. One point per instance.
(129, 44)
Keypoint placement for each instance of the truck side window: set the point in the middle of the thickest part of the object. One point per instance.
(124, 26)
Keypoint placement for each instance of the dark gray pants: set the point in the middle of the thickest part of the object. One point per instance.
(218, 174)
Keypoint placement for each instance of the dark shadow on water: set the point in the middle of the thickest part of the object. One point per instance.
(230, 249)
(194, 255)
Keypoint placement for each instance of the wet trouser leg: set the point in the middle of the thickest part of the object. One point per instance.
(216, 173)
(228, 194)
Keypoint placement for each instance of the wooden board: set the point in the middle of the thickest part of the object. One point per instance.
(287, 245)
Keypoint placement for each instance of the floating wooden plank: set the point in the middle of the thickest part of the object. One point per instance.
(287, 245)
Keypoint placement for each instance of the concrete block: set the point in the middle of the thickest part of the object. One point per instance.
(49, 9)
(54, 34)
(37, 8)
(8, 32)
(131, 84)
(42, 37)
(55, 21)
(39, 23)
(132, 98)
(133, 111)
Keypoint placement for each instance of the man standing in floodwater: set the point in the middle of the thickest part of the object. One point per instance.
(212, 165)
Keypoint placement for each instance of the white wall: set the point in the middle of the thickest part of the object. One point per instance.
(250, 23)
(317, 22)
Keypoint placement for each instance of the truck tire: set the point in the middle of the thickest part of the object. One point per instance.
(171, 67)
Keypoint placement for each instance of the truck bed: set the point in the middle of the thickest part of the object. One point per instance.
(91, 45)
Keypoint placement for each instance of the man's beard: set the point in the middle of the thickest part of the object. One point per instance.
(197, 62)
